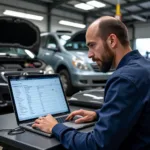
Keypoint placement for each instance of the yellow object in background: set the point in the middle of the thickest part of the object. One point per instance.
(118, 12)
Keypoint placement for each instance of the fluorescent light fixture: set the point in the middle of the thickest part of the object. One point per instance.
(84, 6)
(138, 18)
(96, 4)
(73, 24)
(22, 15)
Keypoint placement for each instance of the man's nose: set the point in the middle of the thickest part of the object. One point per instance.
(90, 54)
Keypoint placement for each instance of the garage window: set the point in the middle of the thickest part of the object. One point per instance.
(143, 45)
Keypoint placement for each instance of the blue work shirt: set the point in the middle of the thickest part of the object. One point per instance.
(124, 120)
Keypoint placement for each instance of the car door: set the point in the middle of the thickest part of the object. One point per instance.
(49, 50)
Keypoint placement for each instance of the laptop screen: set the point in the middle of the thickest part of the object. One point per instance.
(38, 96)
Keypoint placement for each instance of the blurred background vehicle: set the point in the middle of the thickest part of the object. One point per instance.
(17, 61)
(70, 59)
(93, 98)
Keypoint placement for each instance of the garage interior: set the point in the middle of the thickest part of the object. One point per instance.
(55, 10)
(56, 18)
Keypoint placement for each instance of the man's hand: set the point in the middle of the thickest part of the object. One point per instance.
(87, 116)
(45, 124)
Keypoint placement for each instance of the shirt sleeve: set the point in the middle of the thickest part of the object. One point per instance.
(117, 117)
(97, 114)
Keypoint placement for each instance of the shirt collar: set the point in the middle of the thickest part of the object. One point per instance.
(128, 57)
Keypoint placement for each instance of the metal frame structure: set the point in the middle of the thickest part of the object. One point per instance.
(126, 7)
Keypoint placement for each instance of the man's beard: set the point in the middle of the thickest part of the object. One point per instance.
(107, 59)
(106, 65)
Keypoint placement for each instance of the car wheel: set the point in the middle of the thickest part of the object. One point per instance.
(66, 81)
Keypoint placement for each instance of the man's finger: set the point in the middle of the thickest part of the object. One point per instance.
(81, 120)
(71, 115)
(35, 125)
(74, 113)
(37, 121)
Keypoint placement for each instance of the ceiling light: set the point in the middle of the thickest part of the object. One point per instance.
(138, 18)
(73, 24)
(83, 6)
(22, 15)
(96, 4)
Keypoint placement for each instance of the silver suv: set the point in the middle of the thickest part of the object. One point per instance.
(71, 61)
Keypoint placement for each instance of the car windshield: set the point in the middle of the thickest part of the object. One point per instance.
(77, 42)
(76, 46)
(16, 52)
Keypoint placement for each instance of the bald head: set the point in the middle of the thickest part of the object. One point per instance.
(104, 26)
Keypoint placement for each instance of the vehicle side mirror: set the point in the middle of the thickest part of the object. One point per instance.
(52, 47)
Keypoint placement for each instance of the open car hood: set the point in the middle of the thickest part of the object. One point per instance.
(19, 33)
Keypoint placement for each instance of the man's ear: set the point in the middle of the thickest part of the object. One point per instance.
(111, 41)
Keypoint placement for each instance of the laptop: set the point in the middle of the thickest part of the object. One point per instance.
(34, 96)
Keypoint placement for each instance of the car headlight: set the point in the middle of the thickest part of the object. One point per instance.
(48, 70)
(80, 64)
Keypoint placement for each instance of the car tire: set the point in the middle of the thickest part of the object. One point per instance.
(66, 81)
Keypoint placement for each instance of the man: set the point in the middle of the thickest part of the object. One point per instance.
(123, 123)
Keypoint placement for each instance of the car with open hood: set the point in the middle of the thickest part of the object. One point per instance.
(71, 61)
(19, 44)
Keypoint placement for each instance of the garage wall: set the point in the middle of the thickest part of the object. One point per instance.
(142, 30)
(58, 15)
(27, 8)
(130, 33)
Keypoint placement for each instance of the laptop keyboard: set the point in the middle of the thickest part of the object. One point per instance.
(60, 120)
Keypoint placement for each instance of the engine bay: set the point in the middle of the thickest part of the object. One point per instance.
(20, 64)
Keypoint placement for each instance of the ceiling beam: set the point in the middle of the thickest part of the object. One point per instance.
(130, 22)
(57, 3)
(47, 1)
(39, 2)
(128, 1)
(137, 12)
